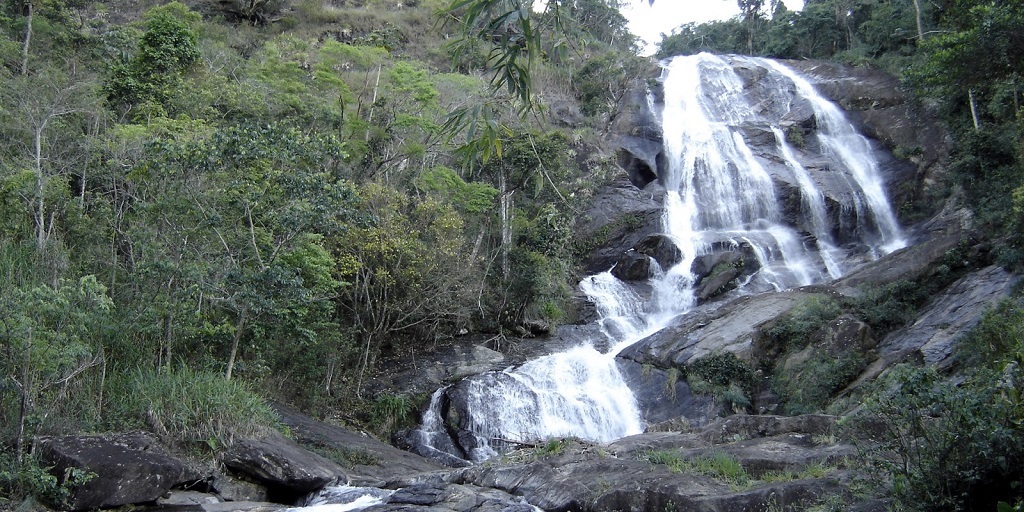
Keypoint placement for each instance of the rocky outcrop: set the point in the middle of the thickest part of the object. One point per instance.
(876, 100)
(663, 396)
(287, 470)
(636, 132)
(369, 461)
(619, 216)
(934, 334)
(112, 470)
(729, 328)
(718, 271)
(633, 473)
(633, 266)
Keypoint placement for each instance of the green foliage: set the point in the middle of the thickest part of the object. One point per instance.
(470, 197)
(194, 409)
(950, 446)
(167, 49)
(27, 478)
(794, 331)
(50, 340)
(391, 412)
(724, 376)
(892, 305)
(718, 465)
(808, 388)
(996, 338)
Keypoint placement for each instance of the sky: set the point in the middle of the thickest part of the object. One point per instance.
(650, 21)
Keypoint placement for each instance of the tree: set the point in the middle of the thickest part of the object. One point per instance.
(751, 11)
(226, 219)
(39, 102)
(49, 336)
(407, 270)
(168, 48)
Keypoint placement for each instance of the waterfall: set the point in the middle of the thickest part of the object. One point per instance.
(722, 190)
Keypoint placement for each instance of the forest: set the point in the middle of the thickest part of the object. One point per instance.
(209, 205)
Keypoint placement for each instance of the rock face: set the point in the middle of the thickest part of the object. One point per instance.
(729, 328)
(933, 335)
(876, 101)
(620, 215)
(637, 133)
(117, 470)
(872, 100)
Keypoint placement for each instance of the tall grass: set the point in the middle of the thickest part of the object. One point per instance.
(189, 408)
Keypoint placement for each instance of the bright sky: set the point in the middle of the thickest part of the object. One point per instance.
(650, 21)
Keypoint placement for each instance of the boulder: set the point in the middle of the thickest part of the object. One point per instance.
(370, 461)
(661, 248)
(285, 468)
(662, 397)
(633, 266)
(112, 470)
(730, 327)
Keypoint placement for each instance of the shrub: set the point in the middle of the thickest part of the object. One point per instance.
(390, 412)
(793, 332)
(809, 390)
(191, 408)
(950, 446)
(724, 376)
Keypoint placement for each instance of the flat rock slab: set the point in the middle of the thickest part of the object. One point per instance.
(125, 469)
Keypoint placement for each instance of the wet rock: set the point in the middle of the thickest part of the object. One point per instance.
(661, 248)
(876, 102)
(122, 469)
(633, 266)
(636, 133)
(662, 396)
(619, 216)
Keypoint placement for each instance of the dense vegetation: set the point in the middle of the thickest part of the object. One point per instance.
(209, 204)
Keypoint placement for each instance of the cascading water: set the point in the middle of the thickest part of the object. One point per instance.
(721, 195)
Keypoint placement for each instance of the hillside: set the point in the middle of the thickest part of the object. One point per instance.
(211, 206)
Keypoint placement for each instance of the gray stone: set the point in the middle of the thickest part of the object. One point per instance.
(731, 327)
(633, 266)
(950, 315)
(378, 461)
(285, 468)
(619, 216)
(125, 469)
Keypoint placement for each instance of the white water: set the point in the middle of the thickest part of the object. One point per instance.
(344, 498)
(719, 196)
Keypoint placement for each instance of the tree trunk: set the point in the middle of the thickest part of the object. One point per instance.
(917, 18)
(974, 109)
(234, 343)
(506, 223)
(40, 189)
(28, 37)
(25, 404)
